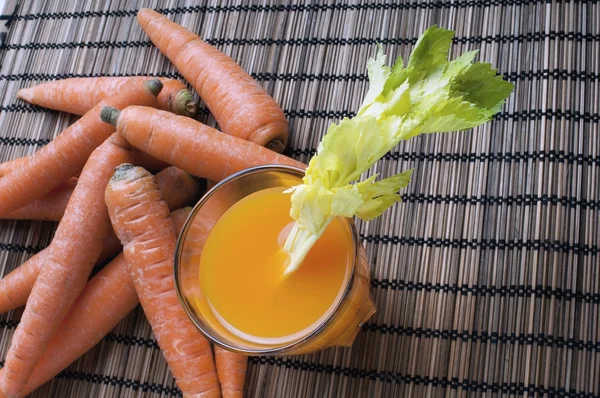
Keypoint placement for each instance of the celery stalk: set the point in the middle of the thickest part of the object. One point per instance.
(430, 94)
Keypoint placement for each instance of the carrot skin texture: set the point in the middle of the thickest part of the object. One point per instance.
(192, 146)
(15, 287)
(140, 219)
(239, 104)
(10, 165)
(178, 189)
(107, 298)
(231, 369)
(66, 154)
(75, 248)
(49, 207)
(89, 91)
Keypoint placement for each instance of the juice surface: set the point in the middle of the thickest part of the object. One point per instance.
(242, 271)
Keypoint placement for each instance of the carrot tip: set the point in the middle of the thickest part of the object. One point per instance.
(276, 145)
(110, 115)
(25, 94)
(154, 86)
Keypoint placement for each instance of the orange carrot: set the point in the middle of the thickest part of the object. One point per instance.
(231, 369)
(190, 145)
(148, 162)
(141, 159)
(74, 250)
(239, 104)
(16, 286)
(178, 189)
(177, 186)
(79, 95)
(49, 207)
(10, 165)
(107, 298)
(178, 217)
(66, 154)
(140, 219)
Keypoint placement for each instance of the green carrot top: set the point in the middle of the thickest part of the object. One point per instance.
(428, 95)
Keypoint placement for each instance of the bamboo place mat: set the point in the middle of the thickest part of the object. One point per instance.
(486, 277)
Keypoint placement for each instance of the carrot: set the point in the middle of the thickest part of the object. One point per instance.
(49, 207)
(177, 186)
(66, 154)
(239, 104)
(107, 298)
(140, 219)
(178, 217)
(74, 250)
(148, 162)
(141, 159)
(10, 165)
(16, 286)
(231, 369)
(79, 95)
(178, 189)
(190, 145)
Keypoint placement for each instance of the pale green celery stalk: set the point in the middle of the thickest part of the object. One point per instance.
(430, 94)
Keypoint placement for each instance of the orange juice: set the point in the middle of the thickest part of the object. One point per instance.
(242, 272)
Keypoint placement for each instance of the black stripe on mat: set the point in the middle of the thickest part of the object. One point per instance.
(8, 324)
(132, 384)
(317, 41)
(494, 338)
(297, 8)
(540, 339)
(18, 141)
(529, 114)
(553, 156)
(398, 378)
(16, 248)
(484, 244)
(388, 377)
(135, 385)
(523, 291)
(517, 200)
(327, 77)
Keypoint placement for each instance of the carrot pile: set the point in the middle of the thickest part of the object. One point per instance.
(96, 179)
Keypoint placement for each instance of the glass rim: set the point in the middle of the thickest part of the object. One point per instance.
(193, 316)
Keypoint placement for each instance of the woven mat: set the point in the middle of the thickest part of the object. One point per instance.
(486, 277)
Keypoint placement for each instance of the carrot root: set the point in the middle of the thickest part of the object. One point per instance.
(89, 91)
(76, 246)
(190, 145)
(140, 219)
(107, 298)
(231, 369)
(66, 155)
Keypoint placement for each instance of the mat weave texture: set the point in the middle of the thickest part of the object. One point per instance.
(486, 277)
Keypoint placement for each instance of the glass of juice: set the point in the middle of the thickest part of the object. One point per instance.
(229, 271)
